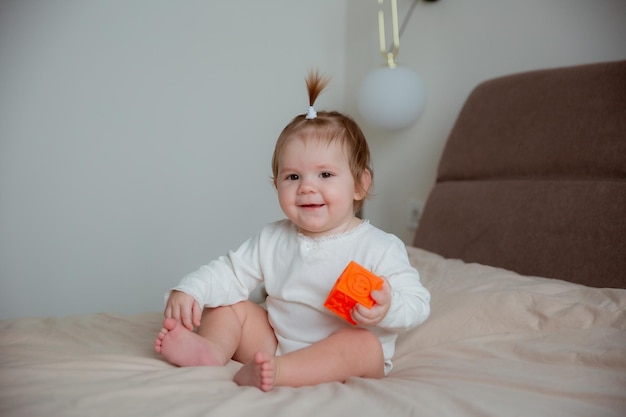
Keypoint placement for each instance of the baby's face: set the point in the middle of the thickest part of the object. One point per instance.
(316, 189)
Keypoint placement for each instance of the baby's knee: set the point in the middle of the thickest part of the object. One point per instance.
(364, 345)
(245, 309)
(362, 340)
(368, 337)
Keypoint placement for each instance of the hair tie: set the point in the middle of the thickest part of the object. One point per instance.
(311, 113)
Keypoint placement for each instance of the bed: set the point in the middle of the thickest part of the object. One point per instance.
(522, 245)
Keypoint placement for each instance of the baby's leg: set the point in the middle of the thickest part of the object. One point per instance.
(242, 330)
(219, 336)
(344, 354)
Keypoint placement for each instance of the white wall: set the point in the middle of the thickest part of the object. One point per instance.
(136, 137)
(453, 45)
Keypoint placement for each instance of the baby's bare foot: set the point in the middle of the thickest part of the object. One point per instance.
(260, 372)
(183, 347)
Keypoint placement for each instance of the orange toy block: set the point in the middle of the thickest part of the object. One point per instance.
(354, 285)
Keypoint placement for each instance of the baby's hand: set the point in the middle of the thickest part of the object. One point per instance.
(184, 308)
(372, 316)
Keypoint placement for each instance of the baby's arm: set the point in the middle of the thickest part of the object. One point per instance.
(403, 301)
(184, 308)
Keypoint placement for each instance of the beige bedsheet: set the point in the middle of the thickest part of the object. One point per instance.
(497, 344)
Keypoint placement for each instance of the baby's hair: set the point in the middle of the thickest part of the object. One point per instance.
(328, 126)
(315, 84)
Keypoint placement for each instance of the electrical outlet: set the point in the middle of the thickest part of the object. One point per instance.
(414, 213)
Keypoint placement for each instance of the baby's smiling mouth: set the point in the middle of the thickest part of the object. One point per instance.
(311, 205)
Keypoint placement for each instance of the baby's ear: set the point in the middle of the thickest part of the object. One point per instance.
(365, 182)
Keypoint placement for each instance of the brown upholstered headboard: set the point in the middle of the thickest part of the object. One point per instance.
(533, 177)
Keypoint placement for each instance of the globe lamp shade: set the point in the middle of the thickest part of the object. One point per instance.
(391, 98)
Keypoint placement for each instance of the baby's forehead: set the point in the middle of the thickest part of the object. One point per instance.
(311, 143)
(318, 140)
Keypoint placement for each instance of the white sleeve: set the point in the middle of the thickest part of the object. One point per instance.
(226, 280)
(410, 300)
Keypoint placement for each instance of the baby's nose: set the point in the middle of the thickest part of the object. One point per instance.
(306, 186)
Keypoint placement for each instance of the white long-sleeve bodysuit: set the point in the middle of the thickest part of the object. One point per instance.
(299, 272)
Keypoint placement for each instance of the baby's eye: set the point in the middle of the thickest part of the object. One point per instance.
(326, 174)
(292, 177)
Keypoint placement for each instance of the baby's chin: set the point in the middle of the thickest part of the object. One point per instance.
(315, 232)
(320, 232)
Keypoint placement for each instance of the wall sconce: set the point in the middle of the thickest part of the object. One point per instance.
(391, 97)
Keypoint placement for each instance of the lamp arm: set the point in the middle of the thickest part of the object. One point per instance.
(404, 24)
(406, 19)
